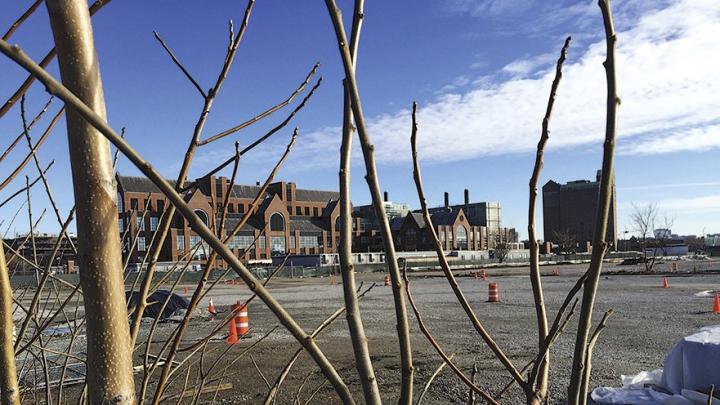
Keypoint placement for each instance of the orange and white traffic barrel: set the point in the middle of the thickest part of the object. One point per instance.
(387, 280)
(493, 293)
(242, 321)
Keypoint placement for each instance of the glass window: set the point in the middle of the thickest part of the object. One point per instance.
(141, 244)
(261, 242)
(292, 242)
(121, 225)
(315, 211)
(241, 208)
(308, 241)
(277, 222)
(298, 210)
(461, 237)
(153, 223)
(160, 205)
(231, 207)
(204, 248)
(133, 203)
(277, 244)
(180, 243)
(140, 223)
(307, 211)
(119, 203)
(202, 215)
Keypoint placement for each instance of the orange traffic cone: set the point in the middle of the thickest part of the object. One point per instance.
(484, 275)
(493, 293)
(387, 280)
(665, 283)
(232, 337)
(716, 304)
(211, 309)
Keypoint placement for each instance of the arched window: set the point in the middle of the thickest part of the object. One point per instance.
(202, 215)
(338, 223)
(277, 222)
(462, 237)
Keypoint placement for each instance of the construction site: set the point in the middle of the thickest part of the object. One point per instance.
(244, 358)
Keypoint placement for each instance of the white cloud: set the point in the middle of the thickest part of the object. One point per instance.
(693, 139)
(526, 66)
(696, 205)
(488, 7)
(666, 79)
(672, 185)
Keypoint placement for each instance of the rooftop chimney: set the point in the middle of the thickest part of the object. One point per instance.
(447, 199)
(467, 197)
(385, 196)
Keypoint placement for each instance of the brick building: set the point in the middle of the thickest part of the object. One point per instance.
(467, 226)
(569, 212)
(287, 220)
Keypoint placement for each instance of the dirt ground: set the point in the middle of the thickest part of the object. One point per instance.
(647, 321)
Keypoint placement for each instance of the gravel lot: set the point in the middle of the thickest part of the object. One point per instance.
(647, 320)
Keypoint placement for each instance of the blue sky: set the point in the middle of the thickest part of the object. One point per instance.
(480, 71)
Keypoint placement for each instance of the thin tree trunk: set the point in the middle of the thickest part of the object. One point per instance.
(604, 199)
(540, 392)
(403, 328)
(109, 354)
(9, 391)
(363, 364)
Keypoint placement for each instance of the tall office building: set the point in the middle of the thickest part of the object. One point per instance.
(570, 209)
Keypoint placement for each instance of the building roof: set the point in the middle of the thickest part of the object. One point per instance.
(305, 224)
(419, 219)
(396, 223)
(243, 191)
(444, 217)
(139, 184)
(232, 219)
(316, 195)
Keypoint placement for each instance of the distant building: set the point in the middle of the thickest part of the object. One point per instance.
(42, 250)
(570, 209)
(482, 214)
(468, 226)
(366, 233)
(286, 220)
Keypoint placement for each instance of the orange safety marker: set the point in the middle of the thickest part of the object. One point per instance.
(242, 321)
(211, 309)
(387, 280)
(665, 283)
(232, 337)
(716, 304)
(493, 293)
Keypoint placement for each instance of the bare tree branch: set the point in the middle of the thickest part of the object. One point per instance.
(604, 199)
(540, 391)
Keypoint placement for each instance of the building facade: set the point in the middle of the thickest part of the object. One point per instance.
(569, 212)
(284, 220)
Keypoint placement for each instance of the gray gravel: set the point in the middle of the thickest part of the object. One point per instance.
(647, 321)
